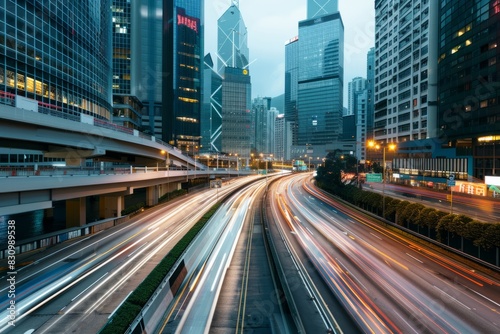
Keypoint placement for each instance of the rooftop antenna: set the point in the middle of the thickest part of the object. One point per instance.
(236, 3)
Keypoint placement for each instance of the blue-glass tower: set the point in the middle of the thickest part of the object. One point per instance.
(320, 80)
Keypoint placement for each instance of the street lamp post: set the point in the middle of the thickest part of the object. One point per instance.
(391, 147)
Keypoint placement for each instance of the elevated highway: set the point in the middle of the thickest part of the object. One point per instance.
(139, 161)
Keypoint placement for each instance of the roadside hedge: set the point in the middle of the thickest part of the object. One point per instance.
(132, 306)
(483, 234)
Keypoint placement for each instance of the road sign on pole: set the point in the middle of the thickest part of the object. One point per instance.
(374, 177)
(451, 180)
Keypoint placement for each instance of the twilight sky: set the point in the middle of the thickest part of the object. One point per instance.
(271, 23)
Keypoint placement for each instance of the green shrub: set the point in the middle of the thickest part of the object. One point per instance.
(133, 305)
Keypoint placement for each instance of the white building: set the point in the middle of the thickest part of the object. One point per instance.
(406, 50)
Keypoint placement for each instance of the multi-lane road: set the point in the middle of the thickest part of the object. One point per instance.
(344, 273)
(77, 286)
(386, 282)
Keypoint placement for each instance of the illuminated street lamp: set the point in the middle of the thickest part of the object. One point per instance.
(392, 147)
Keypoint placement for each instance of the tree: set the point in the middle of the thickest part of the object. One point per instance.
(410, 213)
(391, 205)
(444, 225)
(399, 211)
(491, 236)
(458, 226)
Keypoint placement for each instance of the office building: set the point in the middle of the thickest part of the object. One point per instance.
(320, 80)
(264, 130)
(469, 82)
(318, 8)
(126, 106)
(146, 63)
(232, 44)
(237, 133)
(57, 53)
(211, 116)
(182, 68)
(405, 70)
(291, 85)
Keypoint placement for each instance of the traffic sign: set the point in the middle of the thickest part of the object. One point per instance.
(374, 177)
(451, 180)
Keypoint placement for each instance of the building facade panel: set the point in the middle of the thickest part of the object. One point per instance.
(58, 53)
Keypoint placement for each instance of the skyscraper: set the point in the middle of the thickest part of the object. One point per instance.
(63, 63)
(126, 106)
(318, 8)
(469, 81)
(232, 44)
(238, 133)
(182, 73)
(291, 85)
(370, 85)
(406, 69)
(146, 63)
(211, 117)
(320, 80)
(356, 86)
(237, 136)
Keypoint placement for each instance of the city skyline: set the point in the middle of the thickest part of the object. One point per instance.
(267, 55)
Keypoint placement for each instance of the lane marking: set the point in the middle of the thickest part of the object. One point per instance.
(413, 257)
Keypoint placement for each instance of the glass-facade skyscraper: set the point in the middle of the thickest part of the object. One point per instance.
(232, 44)
(211, 118)
(318, 8)
(237, 135)
(291, 85)
(58, 53)
(126, 107)
(182, 73)
(469, 81)
(320, 80)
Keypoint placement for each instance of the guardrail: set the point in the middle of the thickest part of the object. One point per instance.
(54, 238)
(84, 171)
(57, 111)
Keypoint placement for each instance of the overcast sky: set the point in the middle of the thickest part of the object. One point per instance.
(271, 23)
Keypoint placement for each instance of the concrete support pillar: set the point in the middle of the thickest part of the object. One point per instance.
(111, 206)
(76, 212)
(152, 195)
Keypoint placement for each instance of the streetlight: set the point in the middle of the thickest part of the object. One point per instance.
(391, 147)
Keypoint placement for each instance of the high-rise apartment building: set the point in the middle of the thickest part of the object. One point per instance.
(370, 86)
(182, 70)
(320, 80)
(59, 54)
(355, 86)
(405, 69)
(469, 81)
(232, 44)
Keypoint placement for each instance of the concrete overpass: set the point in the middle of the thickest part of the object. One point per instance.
(143, 162)
(77, 138)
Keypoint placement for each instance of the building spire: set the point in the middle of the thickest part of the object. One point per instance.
(236, 3)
